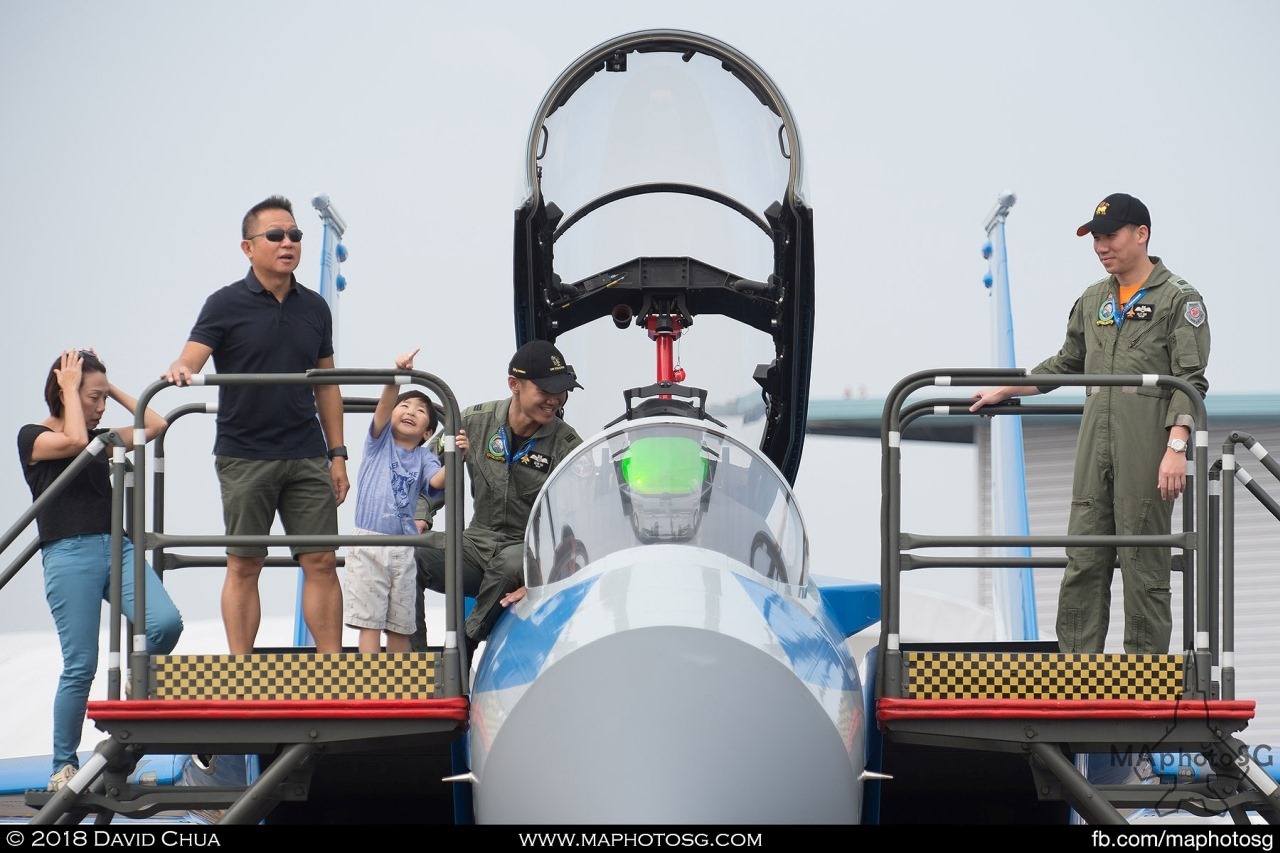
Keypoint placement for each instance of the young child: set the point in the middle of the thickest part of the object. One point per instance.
(381, 580)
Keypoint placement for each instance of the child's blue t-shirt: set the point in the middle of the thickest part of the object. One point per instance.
(390, 480)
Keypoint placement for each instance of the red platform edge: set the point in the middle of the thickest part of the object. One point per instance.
(277, 709)
(888, 709)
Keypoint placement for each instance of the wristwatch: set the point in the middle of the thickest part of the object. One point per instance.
(1177, 445)
(341, 450)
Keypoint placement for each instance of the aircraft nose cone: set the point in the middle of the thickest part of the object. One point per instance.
(667, 725)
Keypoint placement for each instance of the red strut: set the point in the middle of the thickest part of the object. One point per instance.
(665, 338)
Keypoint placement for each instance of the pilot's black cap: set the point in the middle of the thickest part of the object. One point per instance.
(543, 365)
(1113, 213)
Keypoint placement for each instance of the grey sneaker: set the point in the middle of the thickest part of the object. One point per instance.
(59, 780)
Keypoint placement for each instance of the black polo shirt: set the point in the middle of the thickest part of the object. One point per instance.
(83, 507)
(250, 331)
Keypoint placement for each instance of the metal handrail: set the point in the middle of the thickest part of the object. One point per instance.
(1232, 472)
(96, 446)
(161, 560)
(454, 681)
(899, 412)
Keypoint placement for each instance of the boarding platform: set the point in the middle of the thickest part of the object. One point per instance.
(311, 719)
(1017, 732)
(320, 738)
(999, 734)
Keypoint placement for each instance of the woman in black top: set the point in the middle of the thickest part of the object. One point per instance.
(75, 538)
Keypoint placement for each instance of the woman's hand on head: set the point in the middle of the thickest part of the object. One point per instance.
(69, 372)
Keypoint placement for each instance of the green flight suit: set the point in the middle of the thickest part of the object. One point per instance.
(1122, 440)
(502, 495)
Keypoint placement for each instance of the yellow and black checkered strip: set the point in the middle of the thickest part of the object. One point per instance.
(1017, 675)
(409, 675)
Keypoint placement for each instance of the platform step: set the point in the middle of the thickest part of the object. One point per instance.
(1035, 675)
(295, 675)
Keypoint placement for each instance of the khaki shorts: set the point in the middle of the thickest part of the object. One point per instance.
(254, 490)
(379, 586)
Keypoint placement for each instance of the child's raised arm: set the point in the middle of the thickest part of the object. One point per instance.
(387, 402)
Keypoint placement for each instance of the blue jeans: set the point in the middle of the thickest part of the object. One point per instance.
(77, 579)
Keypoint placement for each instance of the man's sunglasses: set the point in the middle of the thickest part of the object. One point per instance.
(277, 235)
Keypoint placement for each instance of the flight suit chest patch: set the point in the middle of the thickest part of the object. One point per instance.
(493, 448)
(1107, 313)
(537, 461)
(1141, 312)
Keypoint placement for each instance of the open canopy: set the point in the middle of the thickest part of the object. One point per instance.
(663, 181)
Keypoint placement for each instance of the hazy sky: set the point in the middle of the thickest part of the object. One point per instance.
(136, 134)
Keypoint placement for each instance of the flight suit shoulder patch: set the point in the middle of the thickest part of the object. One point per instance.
(1194, 313)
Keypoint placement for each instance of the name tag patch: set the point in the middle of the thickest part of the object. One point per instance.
(537, 461)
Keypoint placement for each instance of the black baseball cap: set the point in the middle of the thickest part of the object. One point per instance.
(1113, 213)
(543, 365)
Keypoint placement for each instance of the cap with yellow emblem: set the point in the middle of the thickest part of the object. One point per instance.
(1113, 213)
(541, 363)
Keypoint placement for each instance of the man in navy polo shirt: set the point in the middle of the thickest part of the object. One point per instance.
(271, 452)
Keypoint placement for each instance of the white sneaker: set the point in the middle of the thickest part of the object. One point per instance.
(59, 780)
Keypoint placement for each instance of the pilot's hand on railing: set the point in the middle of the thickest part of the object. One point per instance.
(461, 442)
(338, 475)
(990, 396)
